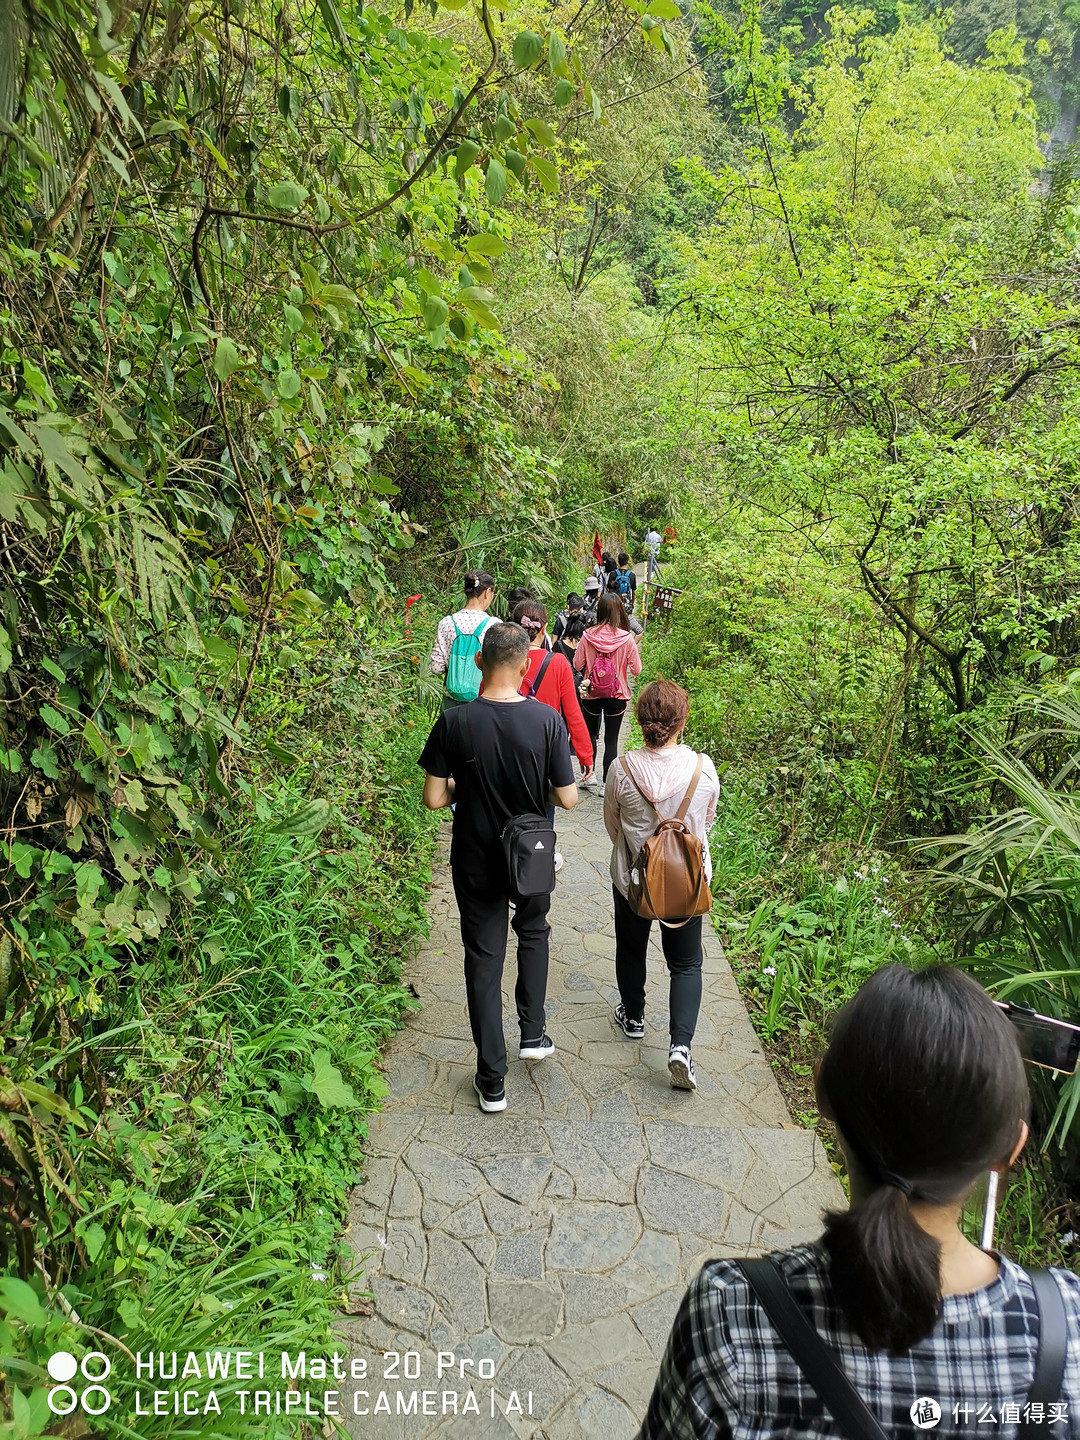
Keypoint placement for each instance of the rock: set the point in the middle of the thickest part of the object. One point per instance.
(524, 1312)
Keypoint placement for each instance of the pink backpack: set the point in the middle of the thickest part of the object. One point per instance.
(604, 678)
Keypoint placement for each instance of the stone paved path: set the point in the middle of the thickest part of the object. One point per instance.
(556, 1240)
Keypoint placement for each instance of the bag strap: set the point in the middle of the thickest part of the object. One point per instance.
(534, 685)
(680, 814)
(1053, 1339)
(850, 1412)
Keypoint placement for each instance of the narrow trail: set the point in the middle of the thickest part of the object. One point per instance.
(556, 1240)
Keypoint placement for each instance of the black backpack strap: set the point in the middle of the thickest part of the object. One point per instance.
(1050, 1358)
(535, 685)
(850, 1412)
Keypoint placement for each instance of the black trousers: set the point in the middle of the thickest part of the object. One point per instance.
(682, 951)
(483, 904)
(611, 712)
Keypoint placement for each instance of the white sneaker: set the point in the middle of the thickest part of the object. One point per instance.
(559, 862)
(590, 780)
(681, 1068)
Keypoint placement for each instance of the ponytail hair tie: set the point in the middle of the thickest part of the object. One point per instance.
(889, 1177)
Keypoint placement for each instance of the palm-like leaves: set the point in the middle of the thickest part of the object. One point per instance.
(1016, 879)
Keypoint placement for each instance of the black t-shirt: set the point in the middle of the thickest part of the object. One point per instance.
(522, 749)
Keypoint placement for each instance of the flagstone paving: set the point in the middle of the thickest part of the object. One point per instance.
(555, 1240)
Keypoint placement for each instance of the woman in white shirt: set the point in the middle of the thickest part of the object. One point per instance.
(663, 769)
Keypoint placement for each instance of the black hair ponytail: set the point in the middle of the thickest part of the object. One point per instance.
(885, 1271)
(476, 582)
(927, 1086)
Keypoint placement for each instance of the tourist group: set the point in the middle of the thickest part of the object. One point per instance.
(894, 1321)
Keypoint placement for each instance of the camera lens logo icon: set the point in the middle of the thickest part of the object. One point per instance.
(925, 1413)
(63, 1398)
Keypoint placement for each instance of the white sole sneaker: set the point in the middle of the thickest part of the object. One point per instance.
(489, 1104)
(538, 1049)
(559, 862)
(681, 1069)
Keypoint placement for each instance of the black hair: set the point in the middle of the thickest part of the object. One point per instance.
(605, 557)
(574, 628)
(613, 584)
(574, 602)
(624, 558)
(925, 1081)
(609, 563)
(531, 616)
(516, 596)
(476, 582)
(505, 644)
(611, 611)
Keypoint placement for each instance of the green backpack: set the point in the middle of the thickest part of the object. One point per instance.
(462, 675)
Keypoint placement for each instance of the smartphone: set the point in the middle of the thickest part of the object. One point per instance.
(1053, 1044)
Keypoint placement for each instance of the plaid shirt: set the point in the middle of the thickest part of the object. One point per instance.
(727, 1376)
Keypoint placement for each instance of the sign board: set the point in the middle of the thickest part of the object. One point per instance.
(663, 599)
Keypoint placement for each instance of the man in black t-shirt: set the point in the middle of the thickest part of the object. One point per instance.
(522, 749)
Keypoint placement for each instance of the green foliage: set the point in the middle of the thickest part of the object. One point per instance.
(1015, 879)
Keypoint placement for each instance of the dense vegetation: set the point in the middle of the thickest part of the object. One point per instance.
(303, 310)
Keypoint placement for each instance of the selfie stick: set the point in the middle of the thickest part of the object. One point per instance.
(987, 1239)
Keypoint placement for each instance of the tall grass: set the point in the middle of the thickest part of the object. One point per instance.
(238, 1062)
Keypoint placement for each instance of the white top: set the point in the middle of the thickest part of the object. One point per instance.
(653, 541)
(664, 775)
(468, 621)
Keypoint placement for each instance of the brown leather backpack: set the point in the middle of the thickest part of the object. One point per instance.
(667, 880)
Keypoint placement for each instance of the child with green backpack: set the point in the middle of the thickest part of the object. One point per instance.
(458, 641)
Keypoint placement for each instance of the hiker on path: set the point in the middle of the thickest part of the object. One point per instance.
(634, 624)
(626, 581)
(593, 595)
(567, 646)
(500, 757)
(458, 639)
(516, 597)
(550, 680)
(574, 606)
(660, 776)
(607, 656)
(653, 542)
(924, 1081)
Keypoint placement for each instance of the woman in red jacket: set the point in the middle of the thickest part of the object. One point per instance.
(556, 686)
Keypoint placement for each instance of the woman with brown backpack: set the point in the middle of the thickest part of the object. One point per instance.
(659, 803)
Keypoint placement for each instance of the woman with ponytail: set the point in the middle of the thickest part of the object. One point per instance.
(924, 1080)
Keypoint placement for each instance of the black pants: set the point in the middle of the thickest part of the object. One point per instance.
(611, 712)
(682, 951)
(483, 904)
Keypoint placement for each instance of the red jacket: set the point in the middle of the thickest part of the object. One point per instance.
(559, 691)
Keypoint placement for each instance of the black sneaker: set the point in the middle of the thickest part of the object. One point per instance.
(537, 1049)
(492, 1095)
(632, 1029)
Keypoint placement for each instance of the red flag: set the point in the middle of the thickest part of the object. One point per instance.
(597, 548)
